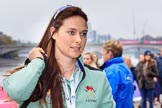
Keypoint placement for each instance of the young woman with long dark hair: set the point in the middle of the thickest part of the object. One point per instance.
(62, 81)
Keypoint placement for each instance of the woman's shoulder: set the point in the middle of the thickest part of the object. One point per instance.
(94, 72)
(92, 68)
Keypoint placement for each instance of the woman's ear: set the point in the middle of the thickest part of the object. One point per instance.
(52, 31)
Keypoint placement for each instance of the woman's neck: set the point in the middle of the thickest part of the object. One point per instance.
(147, 62)
(67, 67)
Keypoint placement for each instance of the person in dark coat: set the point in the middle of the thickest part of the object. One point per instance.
(147, 76)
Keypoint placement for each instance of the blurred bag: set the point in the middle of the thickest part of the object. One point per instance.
(6, 101)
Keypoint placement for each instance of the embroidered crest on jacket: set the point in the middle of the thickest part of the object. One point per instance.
(90, 94)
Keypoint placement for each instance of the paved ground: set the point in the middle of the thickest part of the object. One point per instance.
(136, 104)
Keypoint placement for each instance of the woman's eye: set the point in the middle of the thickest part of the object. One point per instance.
(71, 32)
(83, 34)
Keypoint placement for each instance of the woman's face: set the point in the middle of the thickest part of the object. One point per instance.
(71, 37)
(127, 60)
(87, 59)
(147, 57)
(141, 58)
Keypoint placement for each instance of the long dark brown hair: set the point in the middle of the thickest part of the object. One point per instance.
(50, 79)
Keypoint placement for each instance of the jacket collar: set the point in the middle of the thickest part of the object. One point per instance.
(113, 61)
(81, 66)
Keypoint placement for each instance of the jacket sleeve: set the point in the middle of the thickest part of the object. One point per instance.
(153, 71)
(107, 100)
(114, 79)
(21, 84)
(139, 72)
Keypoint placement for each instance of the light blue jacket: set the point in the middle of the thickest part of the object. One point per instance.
(93, 91)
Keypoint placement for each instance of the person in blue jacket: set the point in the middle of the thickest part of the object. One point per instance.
(119, 75)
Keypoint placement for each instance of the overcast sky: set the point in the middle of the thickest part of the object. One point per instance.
(28, 19)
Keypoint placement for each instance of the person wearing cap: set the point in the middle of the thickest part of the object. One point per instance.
(147, 76)
(118, 74)
(56, 76)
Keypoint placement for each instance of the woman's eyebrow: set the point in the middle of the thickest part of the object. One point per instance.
(86, 30)
(72, 28)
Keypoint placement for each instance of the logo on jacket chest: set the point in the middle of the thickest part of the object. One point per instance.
(90, 94)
